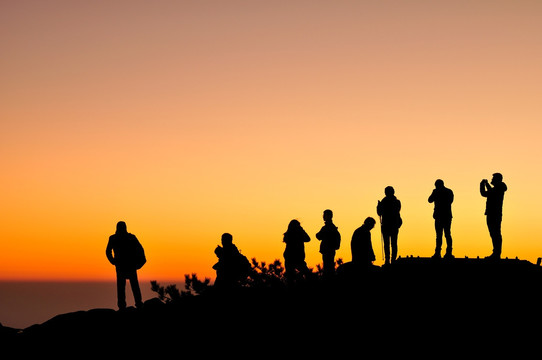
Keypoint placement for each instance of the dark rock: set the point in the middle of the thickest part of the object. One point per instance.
(470, 305)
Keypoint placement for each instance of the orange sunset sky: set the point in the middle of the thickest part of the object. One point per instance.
(188, 119)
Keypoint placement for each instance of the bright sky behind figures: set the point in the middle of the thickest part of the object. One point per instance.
(188, 119)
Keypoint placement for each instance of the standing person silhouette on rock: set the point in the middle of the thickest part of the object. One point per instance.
(443, 198)
(125, 252)
(495, 198)
(295, 238)
(390, 220)
(330, 242)
(232, 266)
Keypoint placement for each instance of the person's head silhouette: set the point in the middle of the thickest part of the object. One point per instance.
(328, 215)
(497, 178)
(369, 223)
(439, 184)
(121, 227)
(294, 224)
(389, 191)
(227, 239)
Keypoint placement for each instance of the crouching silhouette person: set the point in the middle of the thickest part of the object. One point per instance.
(232, 266)
(362, 247)
(295, 238)
(125, 252)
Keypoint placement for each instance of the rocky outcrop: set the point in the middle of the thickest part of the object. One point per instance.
(416, 304)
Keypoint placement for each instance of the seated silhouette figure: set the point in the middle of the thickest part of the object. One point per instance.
(362, 247)
(295, 238)
(232, 266)
(125, 252)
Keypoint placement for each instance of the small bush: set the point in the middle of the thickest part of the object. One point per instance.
(261, 275)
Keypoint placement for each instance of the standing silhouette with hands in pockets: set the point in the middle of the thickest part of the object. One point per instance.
(125, 252)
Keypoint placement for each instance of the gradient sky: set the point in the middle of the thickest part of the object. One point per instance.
(188, 119)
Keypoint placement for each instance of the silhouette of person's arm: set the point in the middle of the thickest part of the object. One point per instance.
(432, 197)
(320, 235)
(369, 245)
(219, 251)
(330, 232)
(371, 252)
(305, 236)
(109, 251)
(337, 239)
(484, 188)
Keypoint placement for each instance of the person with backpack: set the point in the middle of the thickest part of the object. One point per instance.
(125, 252)
(232, 266)
(330, 242)
(390, 221)
(295, 238)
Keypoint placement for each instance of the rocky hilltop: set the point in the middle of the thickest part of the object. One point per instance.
(412, 306)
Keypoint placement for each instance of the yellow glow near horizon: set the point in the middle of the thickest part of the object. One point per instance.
(188, 120)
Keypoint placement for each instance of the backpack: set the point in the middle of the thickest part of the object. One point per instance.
(139, 255)
(243, 265)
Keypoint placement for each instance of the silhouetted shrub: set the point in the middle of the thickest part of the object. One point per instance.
(168, 293)
(193, 285)
(262, 275)
(266, 275)
(320, 269)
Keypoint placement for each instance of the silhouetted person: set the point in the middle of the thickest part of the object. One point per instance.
(295, 238)
(232, 266)
(442, 197)
(390, 219)
(495, 197)
(330, 242)
(361, 245)
(126, 253)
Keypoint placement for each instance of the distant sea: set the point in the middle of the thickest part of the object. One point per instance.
(24, 303)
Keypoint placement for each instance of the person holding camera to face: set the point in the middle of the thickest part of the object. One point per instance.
(495, 197)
